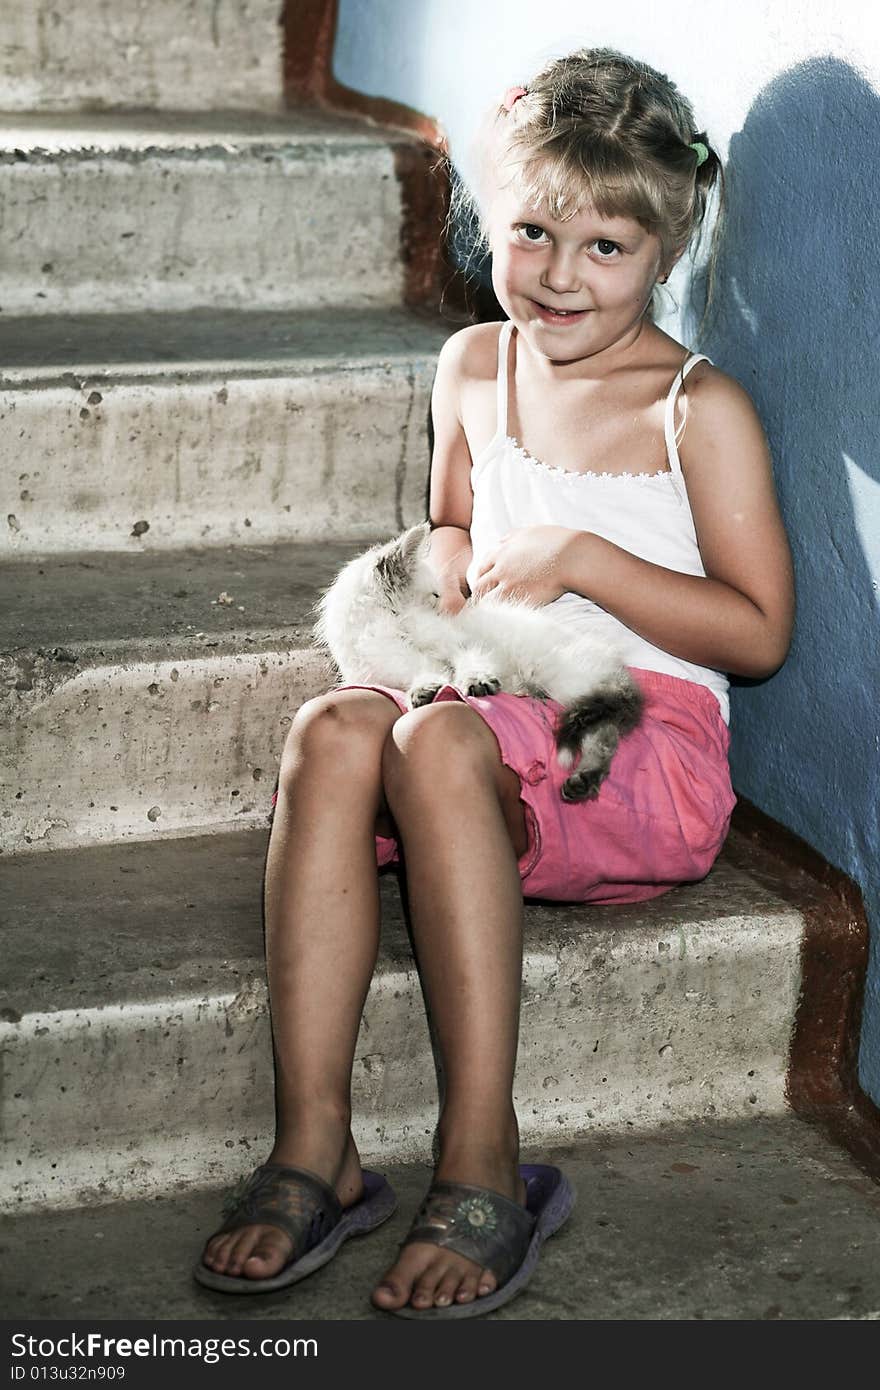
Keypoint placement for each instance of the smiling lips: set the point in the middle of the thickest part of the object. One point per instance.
(557, 315)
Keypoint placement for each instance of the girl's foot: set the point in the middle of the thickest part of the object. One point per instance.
(427, 1275)
(258, 1252)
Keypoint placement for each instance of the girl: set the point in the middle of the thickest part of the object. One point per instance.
(560, 473)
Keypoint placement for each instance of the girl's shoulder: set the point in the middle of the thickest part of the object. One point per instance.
(722, 420)
(715, 404)
(667, 354)
(706, 386)
(710, 390)
(472, 353)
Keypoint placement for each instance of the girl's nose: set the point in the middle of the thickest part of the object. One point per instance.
(561, 273)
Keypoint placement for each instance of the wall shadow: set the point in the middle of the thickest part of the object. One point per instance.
(797, 324)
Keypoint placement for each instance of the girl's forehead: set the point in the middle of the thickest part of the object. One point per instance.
(513, 204)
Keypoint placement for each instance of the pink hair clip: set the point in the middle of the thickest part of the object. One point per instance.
(512, 96)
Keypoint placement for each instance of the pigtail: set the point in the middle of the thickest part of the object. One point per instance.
(709, 180)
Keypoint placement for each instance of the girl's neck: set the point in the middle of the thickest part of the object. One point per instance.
(595, 367)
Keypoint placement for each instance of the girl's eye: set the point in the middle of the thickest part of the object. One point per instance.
(531, 231)
(603, 245)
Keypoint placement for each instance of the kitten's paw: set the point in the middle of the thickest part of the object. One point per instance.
(583, 786)
(419, 695)
(481, 685)
(476, 680)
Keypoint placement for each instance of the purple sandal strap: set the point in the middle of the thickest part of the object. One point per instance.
(477, 1223)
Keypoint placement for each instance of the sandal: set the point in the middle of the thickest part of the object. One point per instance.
(308, 1210)
(495, 1232)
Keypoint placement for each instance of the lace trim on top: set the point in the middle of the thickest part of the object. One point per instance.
(641, 478)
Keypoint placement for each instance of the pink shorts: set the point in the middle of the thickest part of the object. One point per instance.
(662, 813)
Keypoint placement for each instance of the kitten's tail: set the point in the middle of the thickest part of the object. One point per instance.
(590, 729)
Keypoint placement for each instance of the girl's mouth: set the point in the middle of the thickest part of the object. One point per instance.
(559, 315)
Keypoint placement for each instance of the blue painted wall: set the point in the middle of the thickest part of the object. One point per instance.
(800, 328)
(790, 95)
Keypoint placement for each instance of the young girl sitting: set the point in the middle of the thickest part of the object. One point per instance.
(562, 472)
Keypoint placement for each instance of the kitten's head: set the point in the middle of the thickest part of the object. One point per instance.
(401, 570)
(379, 581)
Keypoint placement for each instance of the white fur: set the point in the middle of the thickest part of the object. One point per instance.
(380, 622)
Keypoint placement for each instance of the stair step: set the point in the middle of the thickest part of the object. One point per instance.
(172, 211)
(754, 1219)
(139, 701)
(213, 427)
(143, 52)
(136, 1043)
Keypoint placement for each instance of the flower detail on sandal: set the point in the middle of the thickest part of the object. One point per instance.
(475, 1222)
(496, 1233)
(236, 1196)
(479, 1214)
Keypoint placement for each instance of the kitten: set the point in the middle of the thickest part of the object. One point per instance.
(380, 623)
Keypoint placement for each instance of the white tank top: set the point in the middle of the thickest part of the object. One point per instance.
(647, 514)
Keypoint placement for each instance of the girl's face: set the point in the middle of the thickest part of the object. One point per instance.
(572, 288)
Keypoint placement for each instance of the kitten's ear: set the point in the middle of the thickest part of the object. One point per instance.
(396, 561)
(412, 542)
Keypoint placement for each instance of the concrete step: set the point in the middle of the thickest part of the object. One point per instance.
(151, 694)
(136, 1039)
(152, 431)
(103, 53)
(758, 1219)
(178, 210)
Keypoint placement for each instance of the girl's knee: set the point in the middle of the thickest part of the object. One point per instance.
(439, 742)
(344, 728)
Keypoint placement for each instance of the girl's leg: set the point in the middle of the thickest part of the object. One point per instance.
(322, 933)
(462, 826)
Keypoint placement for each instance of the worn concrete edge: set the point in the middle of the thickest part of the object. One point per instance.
(133, 136)
(822, 1084)
(115, 652)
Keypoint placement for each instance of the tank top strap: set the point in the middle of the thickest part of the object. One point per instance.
(673, 436)
(501, 380)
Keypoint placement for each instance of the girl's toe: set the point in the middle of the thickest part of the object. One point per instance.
(426, 1285)
(390, 1293)
(467, 1288)
(268, 1256)
(240, 1252)
(423, 1294)
(487, 1283)
(215, 1253)
(447, 1288)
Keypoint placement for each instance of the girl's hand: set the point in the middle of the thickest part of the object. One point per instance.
(452, 600)
(528, 563)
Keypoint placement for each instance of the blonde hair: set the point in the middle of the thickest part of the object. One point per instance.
(598, 127)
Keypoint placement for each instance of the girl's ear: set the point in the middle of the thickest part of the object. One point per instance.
(671, 264)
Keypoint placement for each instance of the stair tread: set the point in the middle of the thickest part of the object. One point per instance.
(755, 1219)
(164, 604)
(181, 917)
(204, 342)
(78, 133)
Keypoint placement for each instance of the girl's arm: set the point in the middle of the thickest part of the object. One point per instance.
(739, 618)
(451, 499)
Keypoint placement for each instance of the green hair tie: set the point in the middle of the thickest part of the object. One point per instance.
(700, 151)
